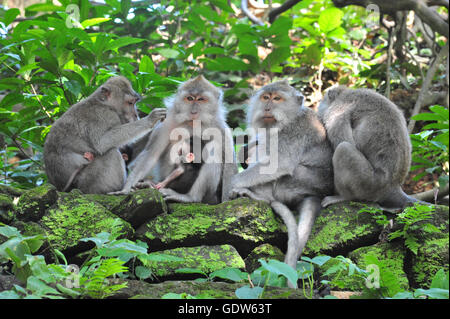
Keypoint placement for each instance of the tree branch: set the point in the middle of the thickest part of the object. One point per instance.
(428, 15)
(284, 7)
(426, 85)
(251, 16)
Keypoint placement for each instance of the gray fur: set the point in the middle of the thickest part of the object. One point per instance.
(372, 149)
(211, 177)
(304, 172)
(99, 124)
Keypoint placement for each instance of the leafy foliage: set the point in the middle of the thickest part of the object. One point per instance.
(430, 146)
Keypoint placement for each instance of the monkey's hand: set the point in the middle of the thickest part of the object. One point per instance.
(156, 115)
(171, 195)
(124, 191)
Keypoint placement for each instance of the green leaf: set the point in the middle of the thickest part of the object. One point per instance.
(318, 260)
(428, 117)
(440, 280)
(168, 53)
(440, 110)
(227, 64)
(233, 274)
(433, 293)
(142, 272)
(10, 16)
(247, 292)
(40, 288)
(280, 268)
(9, 231)
(146, 65)
(330, 19)
(121, 42)
(44, 7)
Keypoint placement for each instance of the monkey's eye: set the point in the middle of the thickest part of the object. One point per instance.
(130, 103)
(277, 98)
(201, 99)
(266, 97)
(190, 98)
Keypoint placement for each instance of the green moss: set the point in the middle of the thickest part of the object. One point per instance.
(33, 203)
(265, 251)
(205, 258)
(431, 256)
(74, 218)
(242, 219)
(391, 255)
(340, 226)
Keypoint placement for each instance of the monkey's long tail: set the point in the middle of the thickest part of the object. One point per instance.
(291, 224)
(72, 177)
(308, 210)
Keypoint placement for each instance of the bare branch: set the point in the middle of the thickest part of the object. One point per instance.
(428, 15)
(251, 16)
(284, 7)
(426, 85)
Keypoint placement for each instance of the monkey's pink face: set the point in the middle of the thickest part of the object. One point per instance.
(270, 101)
(195, 103)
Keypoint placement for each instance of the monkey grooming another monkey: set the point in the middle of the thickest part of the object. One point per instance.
(372, 149)
(196, 110)
(82, 148)
(303, 173)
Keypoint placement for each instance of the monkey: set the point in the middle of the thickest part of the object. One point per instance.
(82, 148)
(195, 110)
(372, 149)
(303, 173)
(185, 171)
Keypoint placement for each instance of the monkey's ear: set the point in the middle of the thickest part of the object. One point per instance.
(105, 92)
(335, 92)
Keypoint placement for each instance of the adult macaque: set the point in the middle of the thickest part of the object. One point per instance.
(372, 149)
(295, 140)
(82, 149)
(196, 111)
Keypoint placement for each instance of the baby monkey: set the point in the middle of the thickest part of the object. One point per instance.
(186, 169)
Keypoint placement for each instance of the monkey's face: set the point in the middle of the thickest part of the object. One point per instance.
(196, 99)
(273, 107)
(129, 112)
(119, 95)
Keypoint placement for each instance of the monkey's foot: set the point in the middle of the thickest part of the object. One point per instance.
(171, 195)
(121, 192)
(330, 200)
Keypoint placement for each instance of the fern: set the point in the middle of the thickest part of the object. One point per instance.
(410, 219)
(97, 281)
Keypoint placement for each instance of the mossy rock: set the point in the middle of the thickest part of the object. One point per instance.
(74, 217)
(140, 206)
(242, 223)
(391, 255)
(10, 191)
(207, 259)
(6, 208)
(33, 203)
(207, 290)
(266, 252)
(431, 256)
(342, 228)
